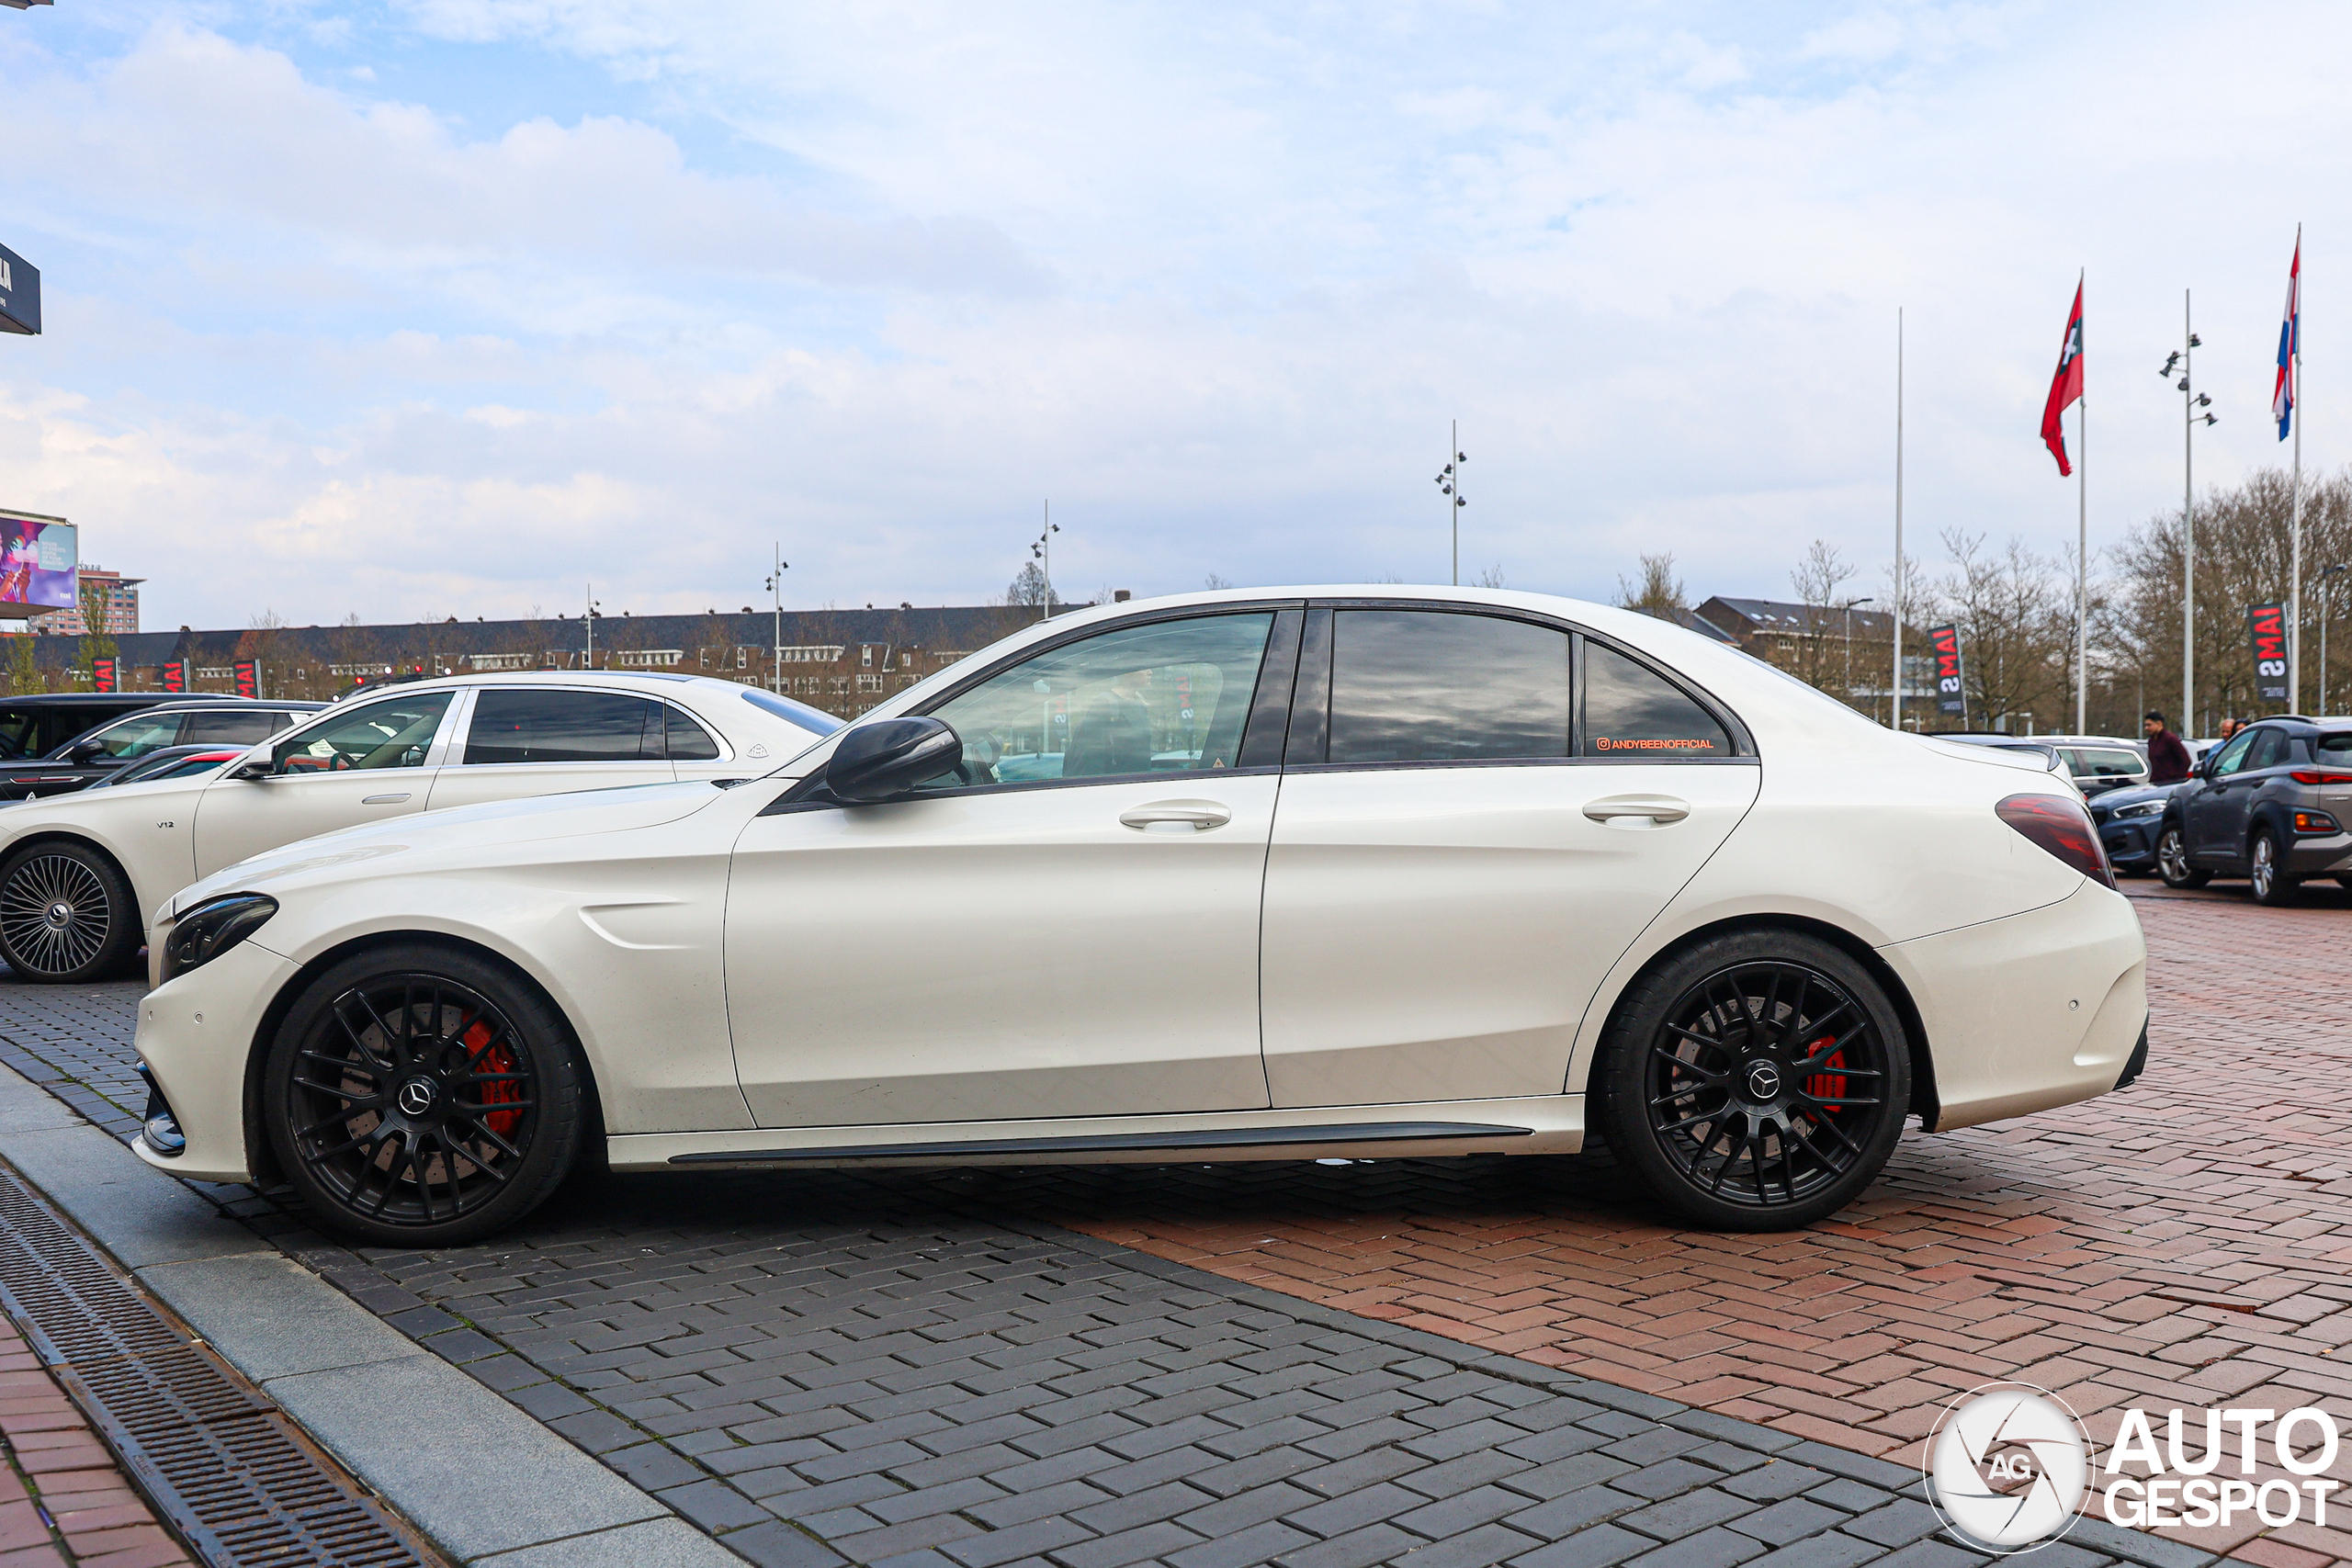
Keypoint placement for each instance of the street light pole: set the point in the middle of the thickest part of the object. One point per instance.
(2190, 402)
(1448, 484)
(1043, 550)
(776, 586)
(1849, 608)
(592, 625)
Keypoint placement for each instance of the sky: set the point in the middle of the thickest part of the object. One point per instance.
(456, 306)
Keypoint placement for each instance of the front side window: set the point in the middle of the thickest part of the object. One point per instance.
(1434, 686)
(138, 734)
(528, 725)
(396, 732)
(2233, 755)
(1164, 698)
(1630, 711)
(2270, 751)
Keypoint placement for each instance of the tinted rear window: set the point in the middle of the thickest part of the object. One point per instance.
(1630, 711)
(563, 726)
(1425, 685)
(2333, 748)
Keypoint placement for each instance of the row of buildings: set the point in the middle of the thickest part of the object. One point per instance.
(841, 660)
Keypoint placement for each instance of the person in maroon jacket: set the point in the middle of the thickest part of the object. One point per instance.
(2167, 758)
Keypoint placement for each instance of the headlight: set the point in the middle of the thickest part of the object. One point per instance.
(2138, 809)
(212, 928)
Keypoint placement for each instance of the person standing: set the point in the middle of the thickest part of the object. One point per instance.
(2167, 758)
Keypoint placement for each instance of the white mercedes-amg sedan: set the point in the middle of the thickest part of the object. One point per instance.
(78, 872)
(1240, 875)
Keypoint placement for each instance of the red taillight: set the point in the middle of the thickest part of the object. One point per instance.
(2062, 827)
(2313, 776)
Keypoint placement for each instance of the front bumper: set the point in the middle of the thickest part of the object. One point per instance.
(2131, 842)
(198, 1034)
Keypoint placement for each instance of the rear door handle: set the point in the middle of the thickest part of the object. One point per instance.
(1659, 808)
(1167, 816)
(384, 799)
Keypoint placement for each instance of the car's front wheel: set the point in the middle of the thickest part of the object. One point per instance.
(2172, 860)
(2271, 884)
(1756, 1081)
(66, 914)
(421, 1097)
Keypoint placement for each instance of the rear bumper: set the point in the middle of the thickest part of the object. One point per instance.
(2317, 856)
(2034, 1011)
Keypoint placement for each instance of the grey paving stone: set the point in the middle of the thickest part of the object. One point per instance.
(1357, 1549)
(1597, 1547)
(1931, 1554)
(1708, 1548)
(1473, 1548)
(1687, 1514)
(1897, 1524)
(715, 1506)
(1790, 1519)
(1769, 1483)
(779, 1545)
(1821, 1551)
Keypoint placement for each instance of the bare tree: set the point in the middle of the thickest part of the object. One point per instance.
(1493, 577)
(1818, 652)
(1028, 587)
(2016, 618)
(1213, 582)
(1658, 593)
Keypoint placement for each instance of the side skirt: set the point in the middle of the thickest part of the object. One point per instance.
(1545, 1124)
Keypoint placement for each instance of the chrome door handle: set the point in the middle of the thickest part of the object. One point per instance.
(384, 799)
(1659, 808)
(1199, 816)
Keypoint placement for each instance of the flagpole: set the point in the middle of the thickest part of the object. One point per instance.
(1897, 709)
(2082, 539)
(2295, 548)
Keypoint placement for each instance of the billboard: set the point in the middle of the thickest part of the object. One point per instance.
(19, 294)
(38, 560)
(2266, 625)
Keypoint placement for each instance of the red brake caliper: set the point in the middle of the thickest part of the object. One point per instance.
(1826, 1085)
(498, 1059)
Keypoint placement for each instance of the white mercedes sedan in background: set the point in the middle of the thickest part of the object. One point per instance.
(1266, 875)
(79, 872)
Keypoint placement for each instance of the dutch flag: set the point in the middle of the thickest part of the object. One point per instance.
(2291, 344)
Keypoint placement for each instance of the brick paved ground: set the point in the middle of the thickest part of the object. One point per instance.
(61, 1499)
(2184, 1243)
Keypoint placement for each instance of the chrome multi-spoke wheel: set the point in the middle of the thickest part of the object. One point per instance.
(2172, 860)
(426, 1102)
(1758, 1082)
(2271, 884)
(66, 914)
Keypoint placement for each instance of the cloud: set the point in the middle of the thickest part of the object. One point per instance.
(193, 128)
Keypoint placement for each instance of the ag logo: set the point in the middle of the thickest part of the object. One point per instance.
(2006, 1467)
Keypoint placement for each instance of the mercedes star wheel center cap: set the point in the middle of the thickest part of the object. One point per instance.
(1763, 1081)
(417, 1096)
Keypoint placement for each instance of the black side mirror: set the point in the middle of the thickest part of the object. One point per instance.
(86, 752)
(876, 762)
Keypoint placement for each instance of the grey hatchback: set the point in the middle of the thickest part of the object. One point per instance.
(2272, 805)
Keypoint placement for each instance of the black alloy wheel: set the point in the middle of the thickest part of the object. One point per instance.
(2172, 860)
(66, 914)
(2271, 885)
(421, 1097)
(1758, 1081)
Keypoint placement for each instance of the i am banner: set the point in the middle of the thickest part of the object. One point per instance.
(248, 678)
(176, 675)
(102, 675)
(2266, 624)
(1950, 698)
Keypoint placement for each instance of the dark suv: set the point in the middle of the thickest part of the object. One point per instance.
(2273, 805)
(181, 721)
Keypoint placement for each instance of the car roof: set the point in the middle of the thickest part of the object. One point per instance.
(652, 682)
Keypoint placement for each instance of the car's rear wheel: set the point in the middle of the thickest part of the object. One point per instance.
(66, 914)
(1756, 1081)
(2271, 884)
(2172, 860)
(421, 1097)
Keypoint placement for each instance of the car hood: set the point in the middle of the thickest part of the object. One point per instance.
(2104, 806)
(471, 833)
